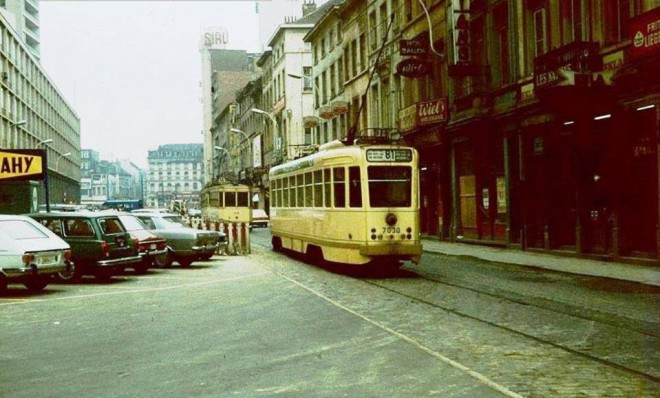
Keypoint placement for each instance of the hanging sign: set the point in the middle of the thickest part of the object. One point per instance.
(22, 164)
(413, 68)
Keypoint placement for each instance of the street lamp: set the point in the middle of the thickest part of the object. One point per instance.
(43, 142)
(237, 131)
(19, 123)
(45, 162)
(276, 133)
(57, 163)
(315, 88)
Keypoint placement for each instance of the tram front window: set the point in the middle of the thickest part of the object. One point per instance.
(390, 186)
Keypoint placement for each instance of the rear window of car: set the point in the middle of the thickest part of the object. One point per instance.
(131, 223)
(18, 229)
(111, 225)
(78, 228)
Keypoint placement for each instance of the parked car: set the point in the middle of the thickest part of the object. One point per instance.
(30, 253)
(185, 244)
(153, 210)
(100, 245)
(259, 218)
(151, 247)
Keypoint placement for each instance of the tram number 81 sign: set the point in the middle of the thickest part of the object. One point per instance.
(389, 155)
(22, 164)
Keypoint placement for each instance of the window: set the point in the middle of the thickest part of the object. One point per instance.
(318, 189)
(502, 25)
(230, 199)
(243, 199)
(617, 14)
(300, 186)
(327, 183)
(355, 187)
(390, 186)
(540, 32)
(285, 192)
(373, 30)
(339, 183)
(571, 20)
(308, 190)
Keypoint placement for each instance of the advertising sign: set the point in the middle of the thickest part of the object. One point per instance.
(22, 164)
(256, 151)
(413, 68)
(645, 29)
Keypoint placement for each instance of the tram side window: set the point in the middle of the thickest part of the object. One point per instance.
(354, 187)
(338, 177)
(275, 188)
(292, 191)
(285, 192)
(390, 186)
(318, 189)
(213, 199)
(230, 199)
(308, 190)
(243, 199)
(300, 186)
(327, 183)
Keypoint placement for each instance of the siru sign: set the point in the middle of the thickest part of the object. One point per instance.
(22, 164)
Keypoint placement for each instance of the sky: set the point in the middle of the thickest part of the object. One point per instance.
(132, 69)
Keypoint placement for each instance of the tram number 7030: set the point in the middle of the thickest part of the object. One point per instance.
(391, 230)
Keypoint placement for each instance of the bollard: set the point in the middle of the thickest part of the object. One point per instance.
(244, 247)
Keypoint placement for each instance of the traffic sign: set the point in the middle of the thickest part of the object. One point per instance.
(22, 164)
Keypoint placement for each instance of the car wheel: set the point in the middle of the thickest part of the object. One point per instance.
(206, 257)
(184, 262)
(36, 284)
(163, 260)
(67, 276)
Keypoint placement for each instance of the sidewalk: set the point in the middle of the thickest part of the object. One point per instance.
(628, 272)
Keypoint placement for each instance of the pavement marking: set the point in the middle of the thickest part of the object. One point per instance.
(151, 289)
(481, 378)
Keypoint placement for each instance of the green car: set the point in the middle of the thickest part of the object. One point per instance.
(100, 245)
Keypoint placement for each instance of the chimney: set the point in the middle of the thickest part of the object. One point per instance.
(308, 7)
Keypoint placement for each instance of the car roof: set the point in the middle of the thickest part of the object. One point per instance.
(72, 214)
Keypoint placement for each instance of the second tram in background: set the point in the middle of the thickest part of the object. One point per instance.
(227, 203)
(351, 204)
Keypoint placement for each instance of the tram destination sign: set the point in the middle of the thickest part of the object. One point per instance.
(389, 155)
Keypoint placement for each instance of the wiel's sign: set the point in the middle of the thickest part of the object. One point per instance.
(22, 164)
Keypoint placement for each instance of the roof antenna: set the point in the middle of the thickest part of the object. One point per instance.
(350, 136)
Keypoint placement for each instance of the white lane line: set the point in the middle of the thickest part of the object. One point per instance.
(448, 361)
(151, 289)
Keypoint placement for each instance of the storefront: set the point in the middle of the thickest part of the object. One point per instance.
(422, 125)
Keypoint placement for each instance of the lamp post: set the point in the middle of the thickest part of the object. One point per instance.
(276, 132)
(57, 163)
(46, 189)
(19, 123)
(43, 142)
(315, 89)
(246, 139)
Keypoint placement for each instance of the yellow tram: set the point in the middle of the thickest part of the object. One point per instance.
(226, 203)
(351, 204)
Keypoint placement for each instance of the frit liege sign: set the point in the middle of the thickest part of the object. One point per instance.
(22, 164)
(645, 30)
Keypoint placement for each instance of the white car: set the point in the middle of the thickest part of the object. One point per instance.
(30, 253)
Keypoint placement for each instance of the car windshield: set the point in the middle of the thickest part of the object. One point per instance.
(131, 223)
(18, 229)
(174, 222)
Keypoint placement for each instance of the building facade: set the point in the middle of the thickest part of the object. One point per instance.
(176, 172)
(35, 115)
(23, 16)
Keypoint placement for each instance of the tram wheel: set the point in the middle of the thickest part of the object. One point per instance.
(314, 255)
(277, 243)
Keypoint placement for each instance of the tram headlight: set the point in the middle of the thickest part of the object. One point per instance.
(409, 230)
(390, 219)
(373, 236)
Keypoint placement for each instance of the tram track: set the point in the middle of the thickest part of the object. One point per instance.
(565, 348)
(584, 354)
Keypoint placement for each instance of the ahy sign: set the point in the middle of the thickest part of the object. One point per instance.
(22, 164)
